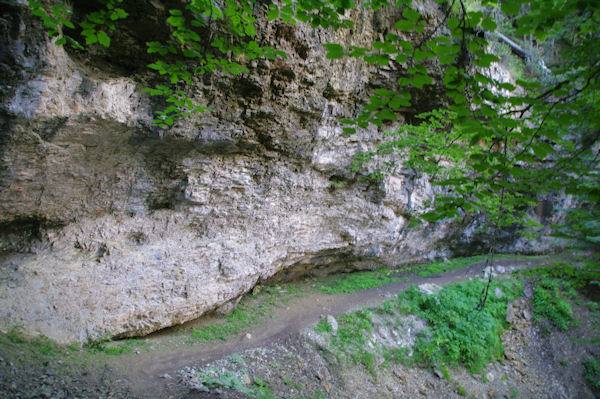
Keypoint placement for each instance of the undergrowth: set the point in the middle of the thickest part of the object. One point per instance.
(555, 287)
(592, 373)
(549, 303)
(241, 318)
(458, 334)
(369, 279)
(360, 281)
(459, 263)
(246, 315)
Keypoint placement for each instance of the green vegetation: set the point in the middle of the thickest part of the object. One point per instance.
(369, 279)
(457, 333)
(450, 264)
(250, 312)
(557, 286)
(549, 303)
(323, 327)
(592, 373)
(230, 380)
(360, 281)
(241, 318)
(39, 345)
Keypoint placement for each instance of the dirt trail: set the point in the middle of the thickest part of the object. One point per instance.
(144, 371)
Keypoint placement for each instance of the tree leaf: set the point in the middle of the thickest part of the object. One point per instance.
(103, 38)
(334, 51)
(510, 7)
(489, 24)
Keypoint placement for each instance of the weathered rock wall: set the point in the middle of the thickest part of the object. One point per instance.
(110, 225)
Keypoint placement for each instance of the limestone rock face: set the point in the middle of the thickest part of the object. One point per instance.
(109, 225)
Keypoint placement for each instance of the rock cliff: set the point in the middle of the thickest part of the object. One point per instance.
(109, 225)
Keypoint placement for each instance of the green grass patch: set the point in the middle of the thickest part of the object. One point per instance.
(592, 373)
(40, 345)
(549, 302)
(251, 311)
(369, 279)
(241, 318)
(458, 263)
(323, 327)
(444, 266)
(360, 281)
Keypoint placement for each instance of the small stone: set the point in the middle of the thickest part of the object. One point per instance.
(137, 352)
(510, 313)
(528, 291)
(332, 323)
(50, 373)
(489, 377)
(492, 394)
(199, 388)
(248, 336)
(165, 376)
(438, 373)
(246, 379)
(500, 269)
(429, 288)
(498, 292)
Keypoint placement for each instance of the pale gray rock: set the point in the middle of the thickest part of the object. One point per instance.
(429, 288)
(332, 323)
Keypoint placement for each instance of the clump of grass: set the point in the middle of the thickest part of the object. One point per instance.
(44, 345)
(459, 263)
(15, 335)
(360, 281)
(351, 340)
(323, 327)
(230, 380)
(241, 318)
(592, 373)
(247, 314)
(451, 264)
(549, 303)
(40, 345)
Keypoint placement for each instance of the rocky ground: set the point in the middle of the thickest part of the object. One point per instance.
(539, 361)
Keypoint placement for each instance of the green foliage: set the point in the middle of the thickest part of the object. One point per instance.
(592, 373)
(549, 303)
(39, 345)
(451, 264)
(323, 327)
(15, 335)
(233, 323)
(457, 333)
(246, 314)
(45, 346)
(230, 380)
(360, 281)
